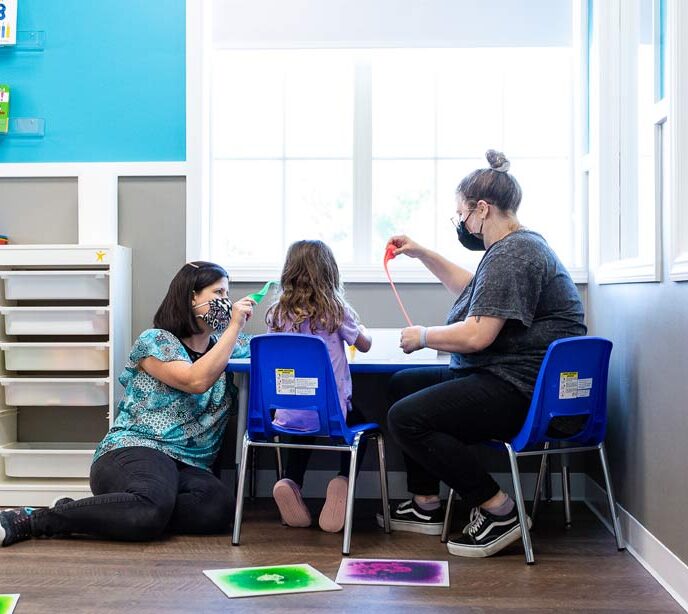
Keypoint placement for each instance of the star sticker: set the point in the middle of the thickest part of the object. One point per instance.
(100, 256)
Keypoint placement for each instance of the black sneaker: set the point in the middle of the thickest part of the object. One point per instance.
(486, 534)
(409, 516)
(15, 525)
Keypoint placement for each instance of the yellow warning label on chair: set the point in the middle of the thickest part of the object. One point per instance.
(568, 385)
(285, 381)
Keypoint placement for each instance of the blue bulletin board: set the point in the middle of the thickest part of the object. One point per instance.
(110, 82)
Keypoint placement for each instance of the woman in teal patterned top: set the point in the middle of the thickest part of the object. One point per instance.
(151, 473)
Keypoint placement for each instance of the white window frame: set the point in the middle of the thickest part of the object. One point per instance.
(677, 86)
(611, 77)
(199, 59)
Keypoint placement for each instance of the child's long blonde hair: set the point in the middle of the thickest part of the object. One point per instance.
(311, 290)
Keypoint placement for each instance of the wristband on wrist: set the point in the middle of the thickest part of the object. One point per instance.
(423, 336)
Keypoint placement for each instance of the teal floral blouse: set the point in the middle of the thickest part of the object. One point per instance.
(187, 427)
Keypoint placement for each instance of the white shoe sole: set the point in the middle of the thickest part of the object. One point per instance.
(484, 551)
(424, 528)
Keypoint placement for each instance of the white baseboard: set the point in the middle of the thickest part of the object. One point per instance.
(664, 566)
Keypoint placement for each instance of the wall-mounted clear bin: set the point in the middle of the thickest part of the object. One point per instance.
(26, 127)
(27, 40)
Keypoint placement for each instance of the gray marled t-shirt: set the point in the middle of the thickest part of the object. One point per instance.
(521, 280)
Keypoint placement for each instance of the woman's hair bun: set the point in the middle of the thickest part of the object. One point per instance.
(497, 160)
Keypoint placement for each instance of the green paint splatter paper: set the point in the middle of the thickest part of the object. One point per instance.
(270, 580)
(7, 603)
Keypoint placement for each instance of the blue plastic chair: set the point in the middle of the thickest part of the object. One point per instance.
(568, 409)
(291, 371)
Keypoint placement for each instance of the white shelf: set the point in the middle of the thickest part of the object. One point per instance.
(51, 356)
(47, 459)
(55, 391)
(70, 381)
(15, 492)
(55, 284)
(56, 320)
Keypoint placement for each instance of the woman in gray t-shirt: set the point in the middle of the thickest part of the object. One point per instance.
(520, 299)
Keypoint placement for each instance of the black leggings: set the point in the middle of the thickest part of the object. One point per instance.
(297, 460)
(141, 493)
(438, 413)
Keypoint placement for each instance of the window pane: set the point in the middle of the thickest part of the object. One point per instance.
(283, 133)
(546, 206)
(403, 105)
(638, 205)
(403, 202)
(319, 204)
(246, 213)
(660, 33)
(537, 102)
(468, 121)
(319, 104)
(246, 105)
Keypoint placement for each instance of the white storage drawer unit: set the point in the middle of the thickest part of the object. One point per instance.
(56, 320)
(55, 391)
(55, 285)
(56, 356)
(65, 334)
(47, 460)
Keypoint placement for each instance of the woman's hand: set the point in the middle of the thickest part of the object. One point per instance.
(410, 339)
(242, 310)
(405, 245)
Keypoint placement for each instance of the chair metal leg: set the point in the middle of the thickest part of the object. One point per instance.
(278, 457)
(538, 483)
(447, 517)
(566, 489)
(522, 515)
(548, 481)
(383, 481)
(610, 498)
(252, 475)
(348, 519)
(240, 491)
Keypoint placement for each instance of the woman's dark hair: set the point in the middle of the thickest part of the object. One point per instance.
(494, 185)
(175, 313)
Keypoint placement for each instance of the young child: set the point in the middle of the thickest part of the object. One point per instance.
(312, 303)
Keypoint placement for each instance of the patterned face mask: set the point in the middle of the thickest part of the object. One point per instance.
(218, 315)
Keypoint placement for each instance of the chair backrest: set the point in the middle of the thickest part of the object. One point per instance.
(570, 398)
(292, 371)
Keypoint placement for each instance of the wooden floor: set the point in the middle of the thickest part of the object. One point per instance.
(578, 569)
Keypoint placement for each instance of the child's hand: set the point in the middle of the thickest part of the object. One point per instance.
(364, 340)
(405, 245)
(242, 310)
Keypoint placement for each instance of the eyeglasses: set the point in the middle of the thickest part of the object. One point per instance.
(457, 220)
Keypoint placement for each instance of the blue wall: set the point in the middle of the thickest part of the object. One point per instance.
(110, 83)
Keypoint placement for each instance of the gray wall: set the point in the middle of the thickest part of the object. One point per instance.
(152, 222)
(39, 210)
(648, 388)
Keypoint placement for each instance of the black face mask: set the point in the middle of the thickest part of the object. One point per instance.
(468, 239)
